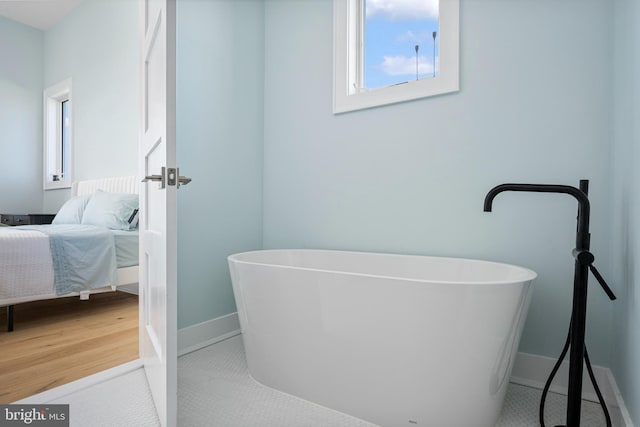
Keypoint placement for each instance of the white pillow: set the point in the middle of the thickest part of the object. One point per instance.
(110, 210)
(72, 210)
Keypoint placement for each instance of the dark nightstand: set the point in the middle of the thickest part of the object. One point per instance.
(28, 219)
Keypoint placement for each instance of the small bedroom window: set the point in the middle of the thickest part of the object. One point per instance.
(58, 136)
(389, 51)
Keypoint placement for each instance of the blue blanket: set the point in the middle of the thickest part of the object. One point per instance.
(84, 256)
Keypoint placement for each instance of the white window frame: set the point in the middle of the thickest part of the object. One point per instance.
(53, 161)
(348, 73)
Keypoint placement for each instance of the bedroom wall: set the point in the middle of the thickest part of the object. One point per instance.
(626, 201)
(411, 178)
(97, 46)
(219, 138)
(21, 50)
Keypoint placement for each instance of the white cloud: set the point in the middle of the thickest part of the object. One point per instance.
(403, 9)
(403, 65)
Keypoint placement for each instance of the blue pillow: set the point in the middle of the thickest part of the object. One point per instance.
(72, 210)
(110, 210)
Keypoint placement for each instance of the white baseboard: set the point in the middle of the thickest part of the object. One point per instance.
(130, 289)
(533, 370)
(197, 336)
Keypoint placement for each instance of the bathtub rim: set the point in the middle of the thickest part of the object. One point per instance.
(528, 275)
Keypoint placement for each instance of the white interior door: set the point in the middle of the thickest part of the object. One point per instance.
(158, 209)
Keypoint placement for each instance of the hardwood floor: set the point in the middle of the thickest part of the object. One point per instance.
(62, 340)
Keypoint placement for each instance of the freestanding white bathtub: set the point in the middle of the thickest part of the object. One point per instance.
(392, 339)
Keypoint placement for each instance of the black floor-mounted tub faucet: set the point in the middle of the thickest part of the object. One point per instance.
(583, 263)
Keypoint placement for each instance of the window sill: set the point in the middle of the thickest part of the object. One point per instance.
(58, 185)
(408, 91)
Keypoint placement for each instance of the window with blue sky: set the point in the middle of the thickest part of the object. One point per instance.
(401, 39)
(65, 130)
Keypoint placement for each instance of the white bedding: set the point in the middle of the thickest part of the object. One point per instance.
(26, 267)
(41, 260)
(27, 271)
(84, 256)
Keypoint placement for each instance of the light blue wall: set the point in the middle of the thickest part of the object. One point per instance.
(21, 50)
(219, 137)
(626, 201)
(534, 106)
(97, 46)
(542, 95)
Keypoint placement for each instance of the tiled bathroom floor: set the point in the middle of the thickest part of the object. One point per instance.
(215, 390)
(213, 384)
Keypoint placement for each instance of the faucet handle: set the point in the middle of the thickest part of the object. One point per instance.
(600, 280)
(585, 257)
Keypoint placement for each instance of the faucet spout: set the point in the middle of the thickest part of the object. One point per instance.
(582, 238)
(537, 188)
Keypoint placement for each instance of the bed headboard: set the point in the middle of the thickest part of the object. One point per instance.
(119, 184)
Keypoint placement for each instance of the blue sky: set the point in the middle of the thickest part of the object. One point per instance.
(392, 30)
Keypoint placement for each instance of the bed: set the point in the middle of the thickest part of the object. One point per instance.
(91, 247)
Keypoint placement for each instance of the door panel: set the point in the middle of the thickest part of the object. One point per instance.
(158, 256)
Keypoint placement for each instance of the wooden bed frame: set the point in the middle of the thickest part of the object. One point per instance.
(126, 275)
